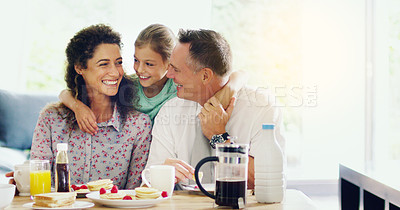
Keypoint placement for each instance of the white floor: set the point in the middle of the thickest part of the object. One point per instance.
(326, 202)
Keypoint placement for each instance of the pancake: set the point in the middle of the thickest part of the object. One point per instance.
(98, 184)
(147, 193)
(113, 196)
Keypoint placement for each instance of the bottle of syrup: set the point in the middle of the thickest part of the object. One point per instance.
(62, 180)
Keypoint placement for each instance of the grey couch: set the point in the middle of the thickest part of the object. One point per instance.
(18, 117)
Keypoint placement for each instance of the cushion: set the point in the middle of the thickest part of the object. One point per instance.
(18, 157)
(18, 117)
(9, 158)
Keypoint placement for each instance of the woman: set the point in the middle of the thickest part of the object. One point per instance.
(95, 76)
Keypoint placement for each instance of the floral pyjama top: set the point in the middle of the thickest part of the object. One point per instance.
(119, 151)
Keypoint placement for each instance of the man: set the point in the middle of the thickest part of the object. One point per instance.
(185, 131)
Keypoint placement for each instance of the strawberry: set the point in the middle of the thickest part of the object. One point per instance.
(196, 187)
(102, 191)
(127, 197)
(164, 194)
(77, 188)
(84, 187)
(114, 189)
(73, 187)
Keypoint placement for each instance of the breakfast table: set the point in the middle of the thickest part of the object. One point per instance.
(294, 200)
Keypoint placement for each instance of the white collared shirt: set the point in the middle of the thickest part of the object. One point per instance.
(174, 130)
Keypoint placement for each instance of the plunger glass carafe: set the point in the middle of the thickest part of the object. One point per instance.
(230, 175)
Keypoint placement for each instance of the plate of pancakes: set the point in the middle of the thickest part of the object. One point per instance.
(140, 197)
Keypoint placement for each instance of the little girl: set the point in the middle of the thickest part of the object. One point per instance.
(153, 47)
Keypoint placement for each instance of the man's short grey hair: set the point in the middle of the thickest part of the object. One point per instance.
(208, 49)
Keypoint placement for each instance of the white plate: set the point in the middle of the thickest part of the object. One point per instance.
(95, 197)
(76, 205)
(195, 190)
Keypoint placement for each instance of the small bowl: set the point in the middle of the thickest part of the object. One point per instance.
(7, 192)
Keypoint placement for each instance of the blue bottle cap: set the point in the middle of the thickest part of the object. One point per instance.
(268, 126)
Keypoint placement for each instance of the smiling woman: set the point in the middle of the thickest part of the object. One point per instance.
(102, 76)
(94, 71)
(95, 76)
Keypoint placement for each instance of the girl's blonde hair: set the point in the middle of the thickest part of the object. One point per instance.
(160, 38)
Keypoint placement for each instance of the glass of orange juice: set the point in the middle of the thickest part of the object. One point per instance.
(40, 178)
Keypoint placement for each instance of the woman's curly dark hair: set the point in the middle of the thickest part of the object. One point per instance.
(79, 50)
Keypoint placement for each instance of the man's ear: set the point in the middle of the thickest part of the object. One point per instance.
(207, 75)
(78, 69)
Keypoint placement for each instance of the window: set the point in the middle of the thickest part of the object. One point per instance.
(311, 55)
(386, 95)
